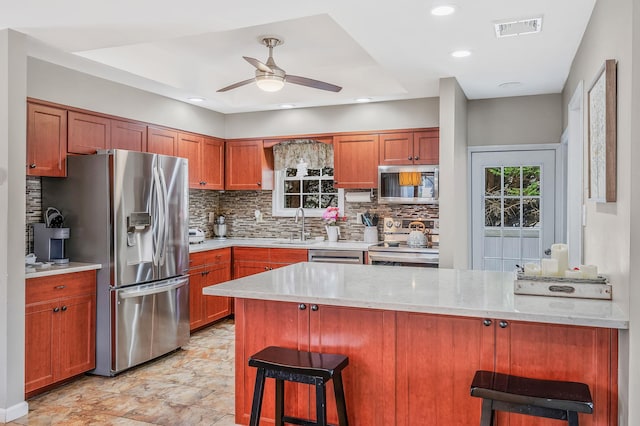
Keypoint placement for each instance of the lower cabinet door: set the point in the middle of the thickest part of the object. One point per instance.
(196, 298)
(437, 358)
(77, 325)
(39, 359)
(216, 307)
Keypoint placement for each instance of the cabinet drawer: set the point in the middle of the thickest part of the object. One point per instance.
(289, 255)
(197, 259)
(219, 256)
(250, 254)
(42, 289)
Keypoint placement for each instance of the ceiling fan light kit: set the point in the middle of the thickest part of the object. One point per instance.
(271, 78)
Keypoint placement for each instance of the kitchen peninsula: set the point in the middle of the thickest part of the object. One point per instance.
(415, 337)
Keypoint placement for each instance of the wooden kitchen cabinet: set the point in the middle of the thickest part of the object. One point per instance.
(253, 260)
(364, 335)
(208, 268)
(46, 140)
(162, 141)
(206, 160)
(410, 148)
(355, 160)
(247, 166)
(87, 133)
(128, 135)
(60, 317)
(438, 356)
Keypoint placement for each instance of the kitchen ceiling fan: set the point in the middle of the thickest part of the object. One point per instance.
(271, 78)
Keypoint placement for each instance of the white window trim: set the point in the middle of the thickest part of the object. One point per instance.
(277, 204)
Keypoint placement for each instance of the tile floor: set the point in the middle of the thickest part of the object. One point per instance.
(192, 386)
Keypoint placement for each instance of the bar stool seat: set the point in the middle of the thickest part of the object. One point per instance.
(292, 365)
(542, 398)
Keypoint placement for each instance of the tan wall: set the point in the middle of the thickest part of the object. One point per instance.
(515, 121)
(608, 239)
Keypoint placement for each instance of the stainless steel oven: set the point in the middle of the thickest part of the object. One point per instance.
(395, 251)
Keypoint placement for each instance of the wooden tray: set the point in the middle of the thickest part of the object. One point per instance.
(583, 288)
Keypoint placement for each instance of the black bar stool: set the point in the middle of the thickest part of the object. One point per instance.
(312, 368)
(542, 398)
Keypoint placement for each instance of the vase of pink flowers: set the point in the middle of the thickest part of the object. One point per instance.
(331, 216)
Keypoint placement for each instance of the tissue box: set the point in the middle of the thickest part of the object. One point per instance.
(597, 288)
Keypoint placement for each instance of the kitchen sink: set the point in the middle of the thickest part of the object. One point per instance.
(296, 242)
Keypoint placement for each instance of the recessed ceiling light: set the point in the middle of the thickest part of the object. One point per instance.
(443, 10)
(509, 84)
(196, 99)
(461, 53)
(287, 106)
(363, 100)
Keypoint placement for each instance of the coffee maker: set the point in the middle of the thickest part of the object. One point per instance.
(49, 243)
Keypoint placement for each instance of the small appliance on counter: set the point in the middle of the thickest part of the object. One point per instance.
(49, 238)
(196, 235)
(220, 228)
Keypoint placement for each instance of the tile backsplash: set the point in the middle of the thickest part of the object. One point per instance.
(238, 207)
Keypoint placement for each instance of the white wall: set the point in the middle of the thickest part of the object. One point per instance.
(13, 126)
(56, 83)
(608, 233)
(454, 203)
(343, 118)
(516, 120)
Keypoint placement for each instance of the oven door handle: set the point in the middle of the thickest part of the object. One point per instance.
(388, 257)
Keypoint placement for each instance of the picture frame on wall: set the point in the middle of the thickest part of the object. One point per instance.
(602, 116)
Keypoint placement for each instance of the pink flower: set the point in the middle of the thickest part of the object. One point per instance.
(331, 215)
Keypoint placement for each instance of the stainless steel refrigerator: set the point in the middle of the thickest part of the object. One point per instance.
(129, 211)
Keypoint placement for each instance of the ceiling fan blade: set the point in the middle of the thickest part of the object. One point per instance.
(235, 85)
(309, 82)
(256, 63)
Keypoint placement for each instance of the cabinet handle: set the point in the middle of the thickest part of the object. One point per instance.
(416, 158)
(259, 184)
(32, 165)
(503, 324)
(64, 308)
(486, 322)
(302, 306)
(314, 307)
(56, 309)
(60, 287)
(410, 158)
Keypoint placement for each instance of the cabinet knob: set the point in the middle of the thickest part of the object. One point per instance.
(266, 268)
(64, 308)
(203, 182)
(259, 183)
(59, 287)
(314, 307)
(410, 158)
(302, 306)
(416, 158)
(32, 165)
(503, 324)
(486, 322)
(56, 309)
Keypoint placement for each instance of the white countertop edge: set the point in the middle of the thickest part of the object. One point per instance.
(66, 269)
(213, 244)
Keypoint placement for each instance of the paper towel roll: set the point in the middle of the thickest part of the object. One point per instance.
(358, 197)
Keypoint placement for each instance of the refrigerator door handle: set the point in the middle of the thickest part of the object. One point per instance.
(165, 222)
(128, 294)
(159, 226)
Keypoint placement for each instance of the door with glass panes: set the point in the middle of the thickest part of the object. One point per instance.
(512, 207)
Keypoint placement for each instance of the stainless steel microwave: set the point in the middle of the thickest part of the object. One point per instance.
(408, 184)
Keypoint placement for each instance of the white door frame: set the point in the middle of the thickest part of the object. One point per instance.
(560, 230)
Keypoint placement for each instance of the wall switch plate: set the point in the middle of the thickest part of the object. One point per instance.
(359, 218)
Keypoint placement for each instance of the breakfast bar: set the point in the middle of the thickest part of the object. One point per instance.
(415, 337)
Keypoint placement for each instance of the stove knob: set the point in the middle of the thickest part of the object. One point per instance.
(397, 223)
(389, 223)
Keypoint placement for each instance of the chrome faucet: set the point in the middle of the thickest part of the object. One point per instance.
(303, 236)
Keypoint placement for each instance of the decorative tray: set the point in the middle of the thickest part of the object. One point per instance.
(585, 288)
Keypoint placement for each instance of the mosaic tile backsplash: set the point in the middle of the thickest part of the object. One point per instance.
(238, 207)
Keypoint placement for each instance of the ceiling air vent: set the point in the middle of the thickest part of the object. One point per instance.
(519, 27)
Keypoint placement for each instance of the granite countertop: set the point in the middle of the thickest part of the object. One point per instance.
(62, 269)
(278, 243)
(483, 294)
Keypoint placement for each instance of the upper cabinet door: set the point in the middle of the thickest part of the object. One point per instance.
(162, 141)
(355, 159)
(212, 163)
(189, 147)
(243, 165)
(127, 135)
(46, 141)
(396, 148)
(88, 133)
(426, 147)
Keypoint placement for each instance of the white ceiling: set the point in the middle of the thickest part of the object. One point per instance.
(385, 51)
